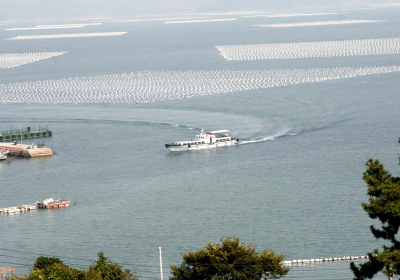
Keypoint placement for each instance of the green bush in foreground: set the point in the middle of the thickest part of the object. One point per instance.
(48, 268)
(229, 259)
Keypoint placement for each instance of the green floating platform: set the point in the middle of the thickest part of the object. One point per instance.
(15, 134)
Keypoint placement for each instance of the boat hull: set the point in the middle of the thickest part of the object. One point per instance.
(3, 157)
(203, 146)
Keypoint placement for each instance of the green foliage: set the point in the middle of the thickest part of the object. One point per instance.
(56, 271)
(229, 259)
(44, 262)
(384, 205)
(46, 268)
(105, 269)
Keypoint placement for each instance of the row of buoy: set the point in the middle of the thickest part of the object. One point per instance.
(304, 261)
(153, 86)
(154, 19)
(55, 26)
(362, 47)
(317, 23)
(77, 35)
(278, 15)
(11, 60)
(199, 21)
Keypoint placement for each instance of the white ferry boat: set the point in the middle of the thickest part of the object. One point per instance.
(204, 140)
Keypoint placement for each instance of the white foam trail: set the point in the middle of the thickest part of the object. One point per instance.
(293, 15)
(311, 49)
(267, 138)
(11, 60)
(56, 36)
(205, 20)
(155, 86)
(79, 25)
(333, 22)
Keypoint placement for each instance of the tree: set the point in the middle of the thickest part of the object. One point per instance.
(105, 269)
(53, 268)
(384, 205)
(229, 259)
(44, 262)
(48, 268)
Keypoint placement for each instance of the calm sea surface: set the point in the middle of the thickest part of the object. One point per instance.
(294, 185)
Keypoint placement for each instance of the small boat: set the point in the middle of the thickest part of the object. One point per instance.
(204, 140)
(3, 154)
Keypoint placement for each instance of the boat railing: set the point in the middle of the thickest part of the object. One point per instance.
(24, 130)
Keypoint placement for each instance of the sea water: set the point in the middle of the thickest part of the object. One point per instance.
(294, 184)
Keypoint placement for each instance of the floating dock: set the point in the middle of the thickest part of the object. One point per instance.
(26, 150)
(46, 204)
(306, 261)
(17, 209)
(15, 134)
(52, 204)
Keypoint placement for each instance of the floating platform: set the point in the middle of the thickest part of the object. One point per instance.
(52, 204)
(26, 150)
(306, 261)
(15, 134)
(17, 209)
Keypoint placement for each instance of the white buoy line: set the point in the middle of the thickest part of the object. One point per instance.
(387, 5)
(56, 26)
(56, 36)
(157, 19)
(311, 49)
(199, 21)
(317, 23)
(11, 60)
(155, 86)
(257, 12)
(292, 15)
(307, 261)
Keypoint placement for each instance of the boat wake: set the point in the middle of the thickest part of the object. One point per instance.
(284, 132)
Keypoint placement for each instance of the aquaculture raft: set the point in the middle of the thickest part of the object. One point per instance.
(15, 134)
(51, 203)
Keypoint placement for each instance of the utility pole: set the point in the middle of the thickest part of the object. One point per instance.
(159, 253)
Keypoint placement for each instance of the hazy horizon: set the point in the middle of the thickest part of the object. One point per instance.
(55, 9)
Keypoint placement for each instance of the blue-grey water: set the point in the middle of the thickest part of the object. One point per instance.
(294, 185)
